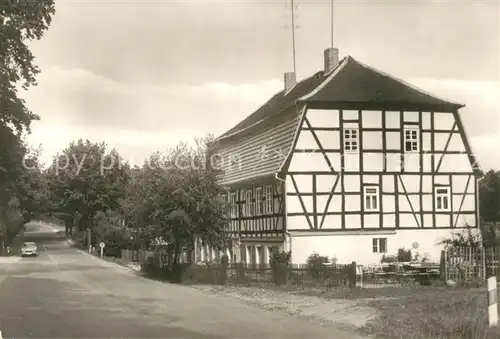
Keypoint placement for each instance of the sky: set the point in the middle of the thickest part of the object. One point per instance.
(145, 75)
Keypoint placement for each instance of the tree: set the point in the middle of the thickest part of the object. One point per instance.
(31, 186)
(84, 179)
(20, 22)
(489, 197)
(176, 197)
(20, 181)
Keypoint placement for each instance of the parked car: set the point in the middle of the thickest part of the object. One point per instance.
(29, 250)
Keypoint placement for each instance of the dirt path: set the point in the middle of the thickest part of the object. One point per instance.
(344, 312)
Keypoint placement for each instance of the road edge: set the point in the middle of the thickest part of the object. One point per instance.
(71, 244)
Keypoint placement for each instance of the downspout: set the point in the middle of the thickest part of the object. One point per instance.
(478, 181)
(284, 211)
(480, 228)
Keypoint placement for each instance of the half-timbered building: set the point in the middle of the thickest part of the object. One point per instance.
(350, 163)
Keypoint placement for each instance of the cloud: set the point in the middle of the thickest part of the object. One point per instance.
(481, 100)
(480, 116)
(79, 97)
(137, 119)
(140, 119)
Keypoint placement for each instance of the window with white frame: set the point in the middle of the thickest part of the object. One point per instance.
(371, 198)
(249, 203)
(258, 201)
(351, 143)
(411, 139)
(442, 196)
(269, 199)
(234, 206)
(379, 245)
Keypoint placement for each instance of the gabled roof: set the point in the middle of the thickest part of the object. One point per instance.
(277, 105)
(263, 140)
(350, 83)
(355, 83)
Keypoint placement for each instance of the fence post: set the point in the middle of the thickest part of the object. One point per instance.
(492, 302)
(361, 276)
(352, 275)
(442, 267)
(446, 265)
(483, 258)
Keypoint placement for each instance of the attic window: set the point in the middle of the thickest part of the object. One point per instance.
(351, 140)
(411, 139)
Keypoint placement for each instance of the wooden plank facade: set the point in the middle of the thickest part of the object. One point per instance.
(351, 163)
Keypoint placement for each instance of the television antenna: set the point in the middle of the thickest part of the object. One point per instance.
(294, 26)
(331, 19)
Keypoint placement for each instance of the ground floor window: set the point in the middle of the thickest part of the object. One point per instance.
(379, 245)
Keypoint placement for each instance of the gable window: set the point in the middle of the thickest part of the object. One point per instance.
(371, 198)
(351, 140)
(379, 245)
(249, 203)
(442, 196)
(411, 139)
(269, 200)
(232, 202)
(258, 201)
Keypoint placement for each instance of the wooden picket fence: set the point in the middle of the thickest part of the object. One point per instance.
(467, 264)
(300, 275)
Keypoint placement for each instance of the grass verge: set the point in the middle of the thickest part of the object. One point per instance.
(445, 313)
(414, 312)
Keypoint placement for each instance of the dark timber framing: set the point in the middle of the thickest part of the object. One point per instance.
(273, 130)
(342, 166)
(421, 165)
(433, 170)
(400, 189)
(272, 225)
(361, 169)
(263, 224)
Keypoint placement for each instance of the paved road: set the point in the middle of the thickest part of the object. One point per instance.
(65, 293)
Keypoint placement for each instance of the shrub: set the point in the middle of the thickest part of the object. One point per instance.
(404, 255)
(466, 238)
(279, 263)
(389, 259)
(277, 257)
(315, 264)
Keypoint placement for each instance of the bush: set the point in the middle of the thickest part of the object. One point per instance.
(279, 263)
(404, 255)
(315, 264)
(389, 259)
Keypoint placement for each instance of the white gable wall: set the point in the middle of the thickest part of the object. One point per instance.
(406, 181)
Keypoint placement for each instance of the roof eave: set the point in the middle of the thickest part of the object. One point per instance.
(368, 105)
(270, 176)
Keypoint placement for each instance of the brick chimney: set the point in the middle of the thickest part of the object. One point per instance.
(290, 80)
(331, 59)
